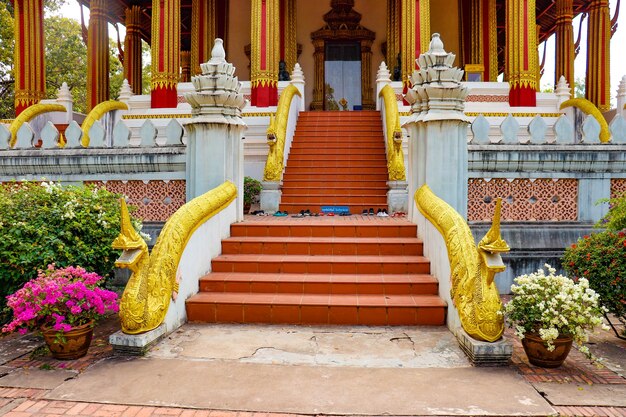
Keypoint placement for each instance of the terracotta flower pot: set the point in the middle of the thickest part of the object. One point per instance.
(539, 355)
(75, 344)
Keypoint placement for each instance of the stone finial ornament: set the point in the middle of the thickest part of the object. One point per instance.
(297, 75)
(562, 90)
(437, 92)
(126, 92)
(383, 74)
(218, 95)
(64, 92)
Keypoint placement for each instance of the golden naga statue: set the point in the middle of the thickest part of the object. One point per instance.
(276, 133)
(395, 155)
(473, 268)
(154, 280)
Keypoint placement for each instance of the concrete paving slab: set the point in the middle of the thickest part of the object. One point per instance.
(14, 347)
(230, 385)
(36, 378)
(608, 395)
(390, 347)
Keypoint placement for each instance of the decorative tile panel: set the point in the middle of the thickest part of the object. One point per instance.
(542, 199)
(618, 187)
(487, 98)
(156, 201)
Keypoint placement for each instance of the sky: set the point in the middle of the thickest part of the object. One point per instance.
(618, 55)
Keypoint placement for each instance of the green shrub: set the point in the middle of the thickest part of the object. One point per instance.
(251, 190)
(601, 258)
(45, 223)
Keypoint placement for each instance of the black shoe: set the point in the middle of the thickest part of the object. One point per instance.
(371, 212)
(364, 212)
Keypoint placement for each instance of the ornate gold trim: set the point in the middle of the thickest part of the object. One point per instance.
(147, 295)
(472, 268)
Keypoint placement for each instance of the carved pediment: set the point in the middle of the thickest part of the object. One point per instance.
(342, 21)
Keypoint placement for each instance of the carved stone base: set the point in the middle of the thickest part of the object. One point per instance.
(270, 196)
(136, 344)
(485, 353)
(398, 196)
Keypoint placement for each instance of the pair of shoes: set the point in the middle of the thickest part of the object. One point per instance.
(367, 212)
(258, 213)
(281, 214)
(382, 213)
(330, 214)
(306, 212)
(299, 215)
(398, 214)
(345, 214)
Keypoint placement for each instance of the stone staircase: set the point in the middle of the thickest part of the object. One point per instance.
(351, 270)
(336, 159)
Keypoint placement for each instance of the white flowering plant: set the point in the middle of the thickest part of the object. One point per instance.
(553, 306)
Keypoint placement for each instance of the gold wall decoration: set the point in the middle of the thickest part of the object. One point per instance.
(203, 32)
(276, 133)
(565, 42)
(264, 69)
(97, 54)
(153, 282)
(96, 114)
(165, 44)
(521, 44)
(472, 267)
(597, 80)
(395, 155)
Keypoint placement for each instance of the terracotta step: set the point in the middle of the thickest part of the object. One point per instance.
(353, 182)
(312, 227)
(322, 246)
(317, 176)
(355, 209)
(341, 136)
(319, 283)
(316, 309)
(335, 127)
(332, 190)
(321, 264)
(324, 154)
(301, 147)
(322, 162)
(336, 199)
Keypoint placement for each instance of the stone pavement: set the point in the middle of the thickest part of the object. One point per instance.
(267, 371)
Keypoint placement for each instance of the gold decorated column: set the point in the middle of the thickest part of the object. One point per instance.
(415, 34)
(597, 82)
(203, 32)
(565, 42)
(393, 32)
(521, 52)
(132, 49)
(165, 53)
(97, 54)
(265, 52)
(318, 88)
(30, 67)
(185, 66)
(476, 32)
(490, 40)
(289, 45)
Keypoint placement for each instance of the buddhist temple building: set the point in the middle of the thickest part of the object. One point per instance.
(339, 44)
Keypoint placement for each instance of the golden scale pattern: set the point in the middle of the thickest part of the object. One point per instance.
(523, 199)
(155, 200)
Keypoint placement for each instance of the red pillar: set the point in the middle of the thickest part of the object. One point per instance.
(165, 53)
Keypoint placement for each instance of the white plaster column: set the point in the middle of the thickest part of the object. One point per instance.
(437, 129)
(214, 147)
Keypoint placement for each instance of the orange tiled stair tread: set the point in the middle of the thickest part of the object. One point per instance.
(354, 270)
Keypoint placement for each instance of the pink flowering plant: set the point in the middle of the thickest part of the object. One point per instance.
(60, 299)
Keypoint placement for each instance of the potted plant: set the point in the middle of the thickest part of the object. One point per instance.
(64, 304)
(549, 313)
(251, 191)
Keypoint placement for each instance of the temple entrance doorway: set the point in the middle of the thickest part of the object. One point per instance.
(342, 73)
